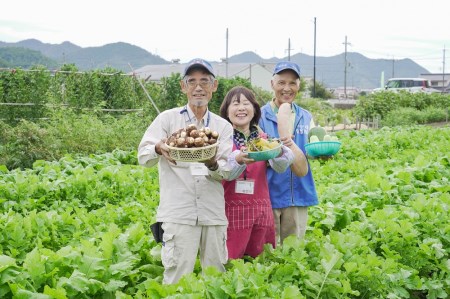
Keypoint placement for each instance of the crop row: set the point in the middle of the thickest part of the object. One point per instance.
(79, 228)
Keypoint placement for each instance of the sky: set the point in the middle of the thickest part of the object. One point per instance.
(384, 29)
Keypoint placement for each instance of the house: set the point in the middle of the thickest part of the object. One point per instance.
(349, 92)
(259, 74)
(440, 82)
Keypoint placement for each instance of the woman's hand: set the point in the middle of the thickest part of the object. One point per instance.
(242, 157)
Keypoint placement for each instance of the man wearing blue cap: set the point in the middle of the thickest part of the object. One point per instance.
(192, 204)
(290, 194)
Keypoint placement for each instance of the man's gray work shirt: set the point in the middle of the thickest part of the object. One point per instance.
(186, 198)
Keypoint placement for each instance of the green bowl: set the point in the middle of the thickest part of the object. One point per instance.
(265, 155)
(322, 148)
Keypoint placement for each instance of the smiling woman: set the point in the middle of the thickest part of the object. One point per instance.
(247, 200)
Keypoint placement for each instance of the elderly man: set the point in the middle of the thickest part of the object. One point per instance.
(192, 206)
(290, 194)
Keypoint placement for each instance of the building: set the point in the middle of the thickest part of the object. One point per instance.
(440, 82)
(259, 74)
(349, 92)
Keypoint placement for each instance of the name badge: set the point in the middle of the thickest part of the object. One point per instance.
(198, 169)
(245, 186)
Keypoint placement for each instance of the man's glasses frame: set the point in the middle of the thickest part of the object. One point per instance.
(204, 83)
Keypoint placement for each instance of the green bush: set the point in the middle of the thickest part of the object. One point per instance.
(433, 114)
(89, 133)
(402, 116)
(35, 91)
(323, 113)
(68, 133)
(23, 144)
(320, 91)
(28, 89)
(410, 116)
(438, 100)
(378, 104)
(382, 103)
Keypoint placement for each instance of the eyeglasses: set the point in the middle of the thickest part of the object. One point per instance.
(203, 83)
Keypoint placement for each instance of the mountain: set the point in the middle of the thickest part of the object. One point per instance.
(116, 55)
(361, 72)
(49, 50)
(18, 57)
(246, 57)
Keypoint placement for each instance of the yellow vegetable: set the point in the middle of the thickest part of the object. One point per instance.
(260, 144)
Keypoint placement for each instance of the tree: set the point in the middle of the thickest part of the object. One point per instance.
(171, 95)
(224, 86)
(18, 57)
(321, 91)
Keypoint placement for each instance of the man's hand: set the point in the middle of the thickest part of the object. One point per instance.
(300, 165)
(287, 141)
(211, 164)
(162, 150)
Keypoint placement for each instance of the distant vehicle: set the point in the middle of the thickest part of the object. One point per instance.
(412, 85)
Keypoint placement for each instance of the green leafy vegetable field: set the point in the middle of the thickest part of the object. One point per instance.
(79, 228)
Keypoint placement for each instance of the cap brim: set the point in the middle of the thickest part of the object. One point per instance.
(287, 69)
(198, 66)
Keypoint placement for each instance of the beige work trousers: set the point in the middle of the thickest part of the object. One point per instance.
(290, 221)
(181, 244)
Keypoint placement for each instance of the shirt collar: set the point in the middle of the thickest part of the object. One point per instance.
(240, 139)
(192, 116)
(274, 106)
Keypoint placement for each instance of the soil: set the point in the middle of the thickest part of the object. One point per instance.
(439, 124)
(340, 127)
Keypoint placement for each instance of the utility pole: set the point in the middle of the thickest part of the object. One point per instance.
(443, 70)
(393, 67)
(226, 56)
(314, 67)
(345, 67)
(289, 49)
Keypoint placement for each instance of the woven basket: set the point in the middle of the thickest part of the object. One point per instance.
(193, 154)
(322, 148)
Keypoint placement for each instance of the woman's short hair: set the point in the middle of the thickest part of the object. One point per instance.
(236, 92)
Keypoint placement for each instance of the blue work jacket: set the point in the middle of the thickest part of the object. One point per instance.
(286, 189)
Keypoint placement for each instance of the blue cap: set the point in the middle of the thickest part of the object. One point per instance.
(286, 65)
(198, 62)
